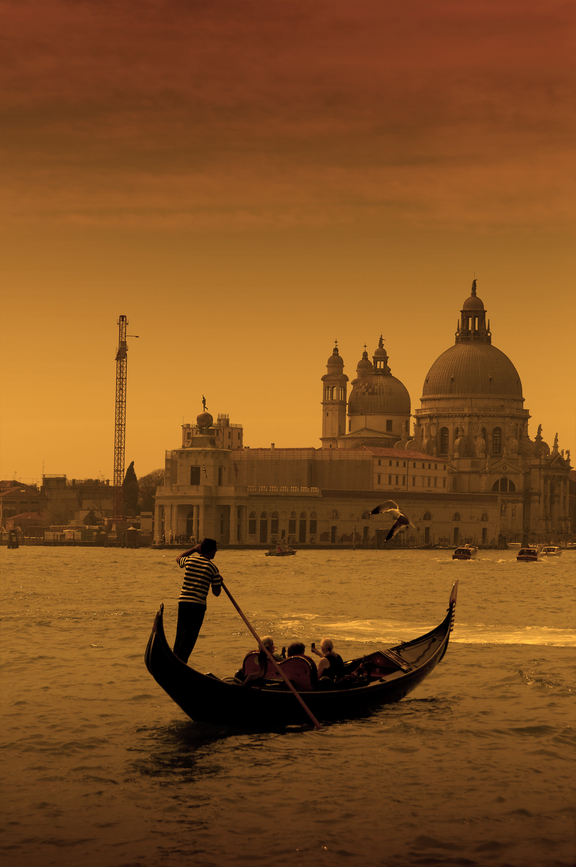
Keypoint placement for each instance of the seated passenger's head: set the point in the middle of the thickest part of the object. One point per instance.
(327, 645)
(268, 642)
(296, 648)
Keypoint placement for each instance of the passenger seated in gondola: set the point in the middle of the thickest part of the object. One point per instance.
(268, 643)
(331, 665)
(298, 648)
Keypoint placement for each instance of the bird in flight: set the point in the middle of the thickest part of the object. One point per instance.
(401, 520)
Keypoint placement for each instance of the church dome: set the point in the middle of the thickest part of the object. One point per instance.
(472, 369)
(364, 366)
(335, 363)
(473, 303)
(378, 394)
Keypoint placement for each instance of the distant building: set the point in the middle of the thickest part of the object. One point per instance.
(469, 471)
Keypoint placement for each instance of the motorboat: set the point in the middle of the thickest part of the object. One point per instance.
(551, 551)
(280, 551)
(381, 677)
(527, 555)
(465, 552)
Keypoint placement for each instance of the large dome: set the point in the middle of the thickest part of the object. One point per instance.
(378, 394)
(472, 369)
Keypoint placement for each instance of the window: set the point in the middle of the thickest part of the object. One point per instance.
(484, 517)
(379, 462)
(274, 523)
(378, 482)
(327, 393)
(263, 527)
(252, 523)
(413, 481)
(504, 485)
(195, 474)
(444, 440)
(455, 516)
(497, 441)
(389, 480)
(427, 516)
(342, 393)
(313, 523)
(302, 527)
(335, 513)
(388, 422)
(397, 477)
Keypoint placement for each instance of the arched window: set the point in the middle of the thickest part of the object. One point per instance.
(455, 516)
(313, 523)
(335, 513)
(505, 486)
(274, 523)
(252, 523)
(427, 516)
(333, 395)
(484, 517)
(327, 393)
(341, 392)
(365, 516)
(444, 440)
(302, 528)
(263, 527)
(497, 441)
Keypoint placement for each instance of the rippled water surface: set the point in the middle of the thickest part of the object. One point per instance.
(100, 767)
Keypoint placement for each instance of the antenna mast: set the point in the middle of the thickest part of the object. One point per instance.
(120, 419)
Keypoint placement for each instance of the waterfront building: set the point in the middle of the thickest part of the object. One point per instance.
(468, 472)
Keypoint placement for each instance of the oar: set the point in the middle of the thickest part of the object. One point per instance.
(271, 658)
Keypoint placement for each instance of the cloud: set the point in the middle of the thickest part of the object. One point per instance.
(200, 114)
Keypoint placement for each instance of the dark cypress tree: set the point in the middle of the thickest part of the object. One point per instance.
(131, 489)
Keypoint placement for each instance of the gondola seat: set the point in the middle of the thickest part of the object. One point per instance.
(298, 669)
(251, 665)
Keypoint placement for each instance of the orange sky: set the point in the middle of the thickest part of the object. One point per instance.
(249, 181)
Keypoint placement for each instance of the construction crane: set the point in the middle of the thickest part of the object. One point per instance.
(120, 418)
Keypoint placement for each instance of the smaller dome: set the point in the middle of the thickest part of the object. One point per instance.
(204, 420)
(473, 303)
(335, 361)
(364, 366)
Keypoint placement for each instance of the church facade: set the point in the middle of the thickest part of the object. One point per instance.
(467, 472)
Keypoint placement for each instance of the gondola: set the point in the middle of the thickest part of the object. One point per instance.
(385, 676)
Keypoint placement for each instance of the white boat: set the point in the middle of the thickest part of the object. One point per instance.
(551, 550)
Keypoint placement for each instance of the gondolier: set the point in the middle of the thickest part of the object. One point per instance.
(200, 574)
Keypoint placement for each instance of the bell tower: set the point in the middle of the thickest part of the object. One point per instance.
(333, 400)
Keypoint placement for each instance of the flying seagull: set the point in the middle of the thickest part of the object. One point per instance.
(401, 521)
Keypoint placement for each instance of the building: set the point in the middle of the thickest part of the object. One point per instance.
(468, 472)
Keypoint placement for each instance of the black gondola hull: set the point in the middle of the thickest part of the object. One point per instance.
(205, 698)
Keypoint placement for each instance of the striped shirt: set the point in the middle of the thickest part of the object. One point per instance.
(199, 575)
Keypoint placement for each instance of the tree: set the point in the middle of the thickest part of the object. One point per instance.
(148, 485)
(130, 488)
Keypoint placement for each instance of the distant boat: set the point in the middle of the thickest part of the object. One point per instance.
(280, 551)
(464, 552)
(514, 544)
(551, 550)
(528, 555)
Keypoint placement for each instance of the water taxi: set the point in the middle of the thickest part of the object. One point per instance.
(551, 550)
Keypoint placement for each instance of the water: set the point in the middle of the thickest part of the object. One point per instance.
(101, 768)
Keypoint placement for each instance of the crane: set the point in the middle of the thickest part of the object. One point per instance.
(120, 417)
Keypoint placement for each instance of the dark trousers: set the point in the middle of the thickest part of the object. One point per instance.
(190, 617)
